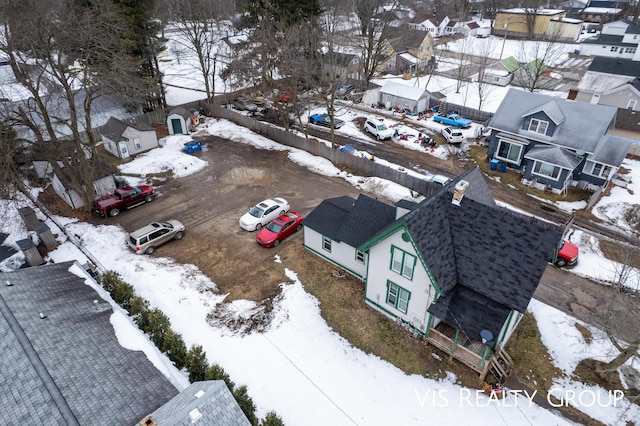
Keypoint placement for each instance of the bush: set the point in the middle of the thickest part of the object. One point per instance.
(139, 306)
(272, 419)
(120, 291)
(196, 363)
(215, 372)
(175, 348)
(157, 326)
(246, 404)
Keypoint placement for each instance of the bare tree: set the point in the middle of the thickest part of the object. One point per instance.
(483, 53)
(462, 58)
(66, 55)
(199, 23)
(538, 58)
(623, 308)
(372, 22)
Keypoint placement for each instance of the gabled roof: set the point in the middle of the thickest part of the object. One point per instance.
(554, 155)
(211, 399)
(420, 18)
(403, 90)
(404, 38)
(598, 82)
(611, 150)
(115, 128)
(580, 118)
(489, 255)
(472, 25)
(608, 39)
(181, 112)
(69, 368)
(625, 67)
(350, 221)
(511, 63)
(551, 109)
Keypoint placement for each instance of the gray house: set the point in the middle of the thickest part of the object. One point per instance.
(556, 143)
(124, 139)
(62, 363)
(433, 267)
(405, 97)
(500, 73)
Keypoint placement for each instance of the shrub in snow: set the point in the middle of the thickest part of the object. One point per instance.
(215, 372)
(246, 404)
(196, 363)
(272, 419)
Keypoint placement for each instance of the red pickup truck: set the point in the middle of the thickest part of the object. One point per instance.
(124, 198)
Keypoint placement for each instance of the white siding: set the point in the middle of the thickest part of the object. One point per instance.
(422, 292)
(508, 328)
(341, 253)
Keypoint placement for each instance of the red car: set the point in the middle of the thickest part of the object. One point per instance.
(279, 229)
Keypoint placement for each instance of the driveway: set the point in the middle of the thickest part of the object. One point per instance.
(211, 201)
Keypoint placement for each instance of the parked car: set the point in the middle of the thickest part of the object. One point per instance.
(325, 120)
(263, 213)
(567, 255)
(286, 97)
(344, 90)
(279, 229)
(378, 129)
(245, 104)
(440, 179)
(454, 120)
(452, 135)
(123, 198)
(146, 239)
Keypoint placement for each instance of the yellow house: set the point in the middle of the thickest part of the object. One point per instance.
(523, 22)
(405, 49)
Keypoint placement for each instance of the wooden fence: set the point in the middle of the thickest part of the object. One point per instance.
(353, 163)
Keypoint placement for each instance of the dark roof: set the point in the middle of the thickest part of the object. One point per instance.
(615, 66)
(608, 39)
(404, 38)
(69, 367)
(421, 17)
(181, 112)
(350, 221)
(115, 128)
(5, 251)
(212, 399)
(472, 25)
(492, 251)
(628, 119)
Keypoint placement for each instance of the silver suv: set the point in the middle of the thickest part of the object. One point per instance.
(147, 238)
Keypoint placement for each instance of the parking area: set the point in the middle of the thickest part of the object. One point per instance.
(209, 203)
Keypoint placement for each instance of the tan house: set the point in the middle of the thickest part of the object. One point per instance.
(406, 49)
(524, 22)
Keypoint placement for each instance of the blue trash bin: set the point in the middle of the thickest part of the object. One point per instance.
(503, 167)
(192, 146)
(494, 164)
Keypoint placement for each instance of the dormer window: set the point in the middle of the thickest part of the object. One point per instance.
(538, 126)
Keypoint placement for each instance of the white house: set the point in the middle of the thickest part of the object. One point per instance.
(434, 267)
(124, 139)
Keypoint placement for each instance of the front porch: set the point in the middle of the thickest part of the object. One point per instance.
(472, 353)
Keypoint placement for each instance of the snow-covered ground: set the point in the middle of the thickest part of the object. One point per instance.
(300, 367)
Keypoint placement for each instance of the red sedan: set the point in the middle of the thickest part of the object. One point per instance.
(279, 229)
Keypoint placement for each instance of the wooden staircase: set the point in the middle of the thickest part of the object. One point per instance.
(501, 365)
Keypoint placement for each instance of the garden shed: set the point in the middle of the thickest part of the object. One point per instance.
(178, 121)
(405, 97)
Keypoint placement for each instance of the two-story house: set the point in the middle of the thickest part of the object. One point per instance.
(436, 25)
(617, 39)
(454, 269)
(556, 143)
(405, 49)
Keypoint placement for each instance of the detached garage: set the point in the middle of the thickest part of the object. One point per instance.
(409, 98)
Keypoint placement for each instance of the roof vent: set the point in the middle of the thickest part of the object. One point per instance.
(195, 415)
(199, 394)
(148, 421)
(42, 315)
(9, 283)
(459, 191)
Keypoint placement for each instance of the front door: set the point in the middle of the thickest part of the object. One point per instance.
(123, 150)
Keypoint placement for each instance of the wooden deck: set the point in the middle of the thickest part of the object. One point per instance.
(467, 351)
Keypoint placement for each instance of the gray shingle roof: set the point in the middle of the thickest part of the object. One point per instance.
(611, 151)
(616, 66)
(350, 221)
(582, 128)
(181, 112)
(115, 128)
(68, 368)
(212, 399)
(554, 155)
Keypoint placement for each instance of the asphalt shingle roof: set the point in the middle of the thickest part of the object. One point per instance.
(554, 155)
(616, 66)
(68, 368)
(211, 399)
(350, 221)
(587, 120)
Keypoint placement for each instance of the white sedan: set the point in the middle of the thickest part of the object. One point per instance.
(263, 213)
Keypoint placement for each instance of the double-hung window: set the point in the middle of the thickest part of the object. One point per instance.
(402, 262)
(398, 297)
(326, 244)
(597, 169)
